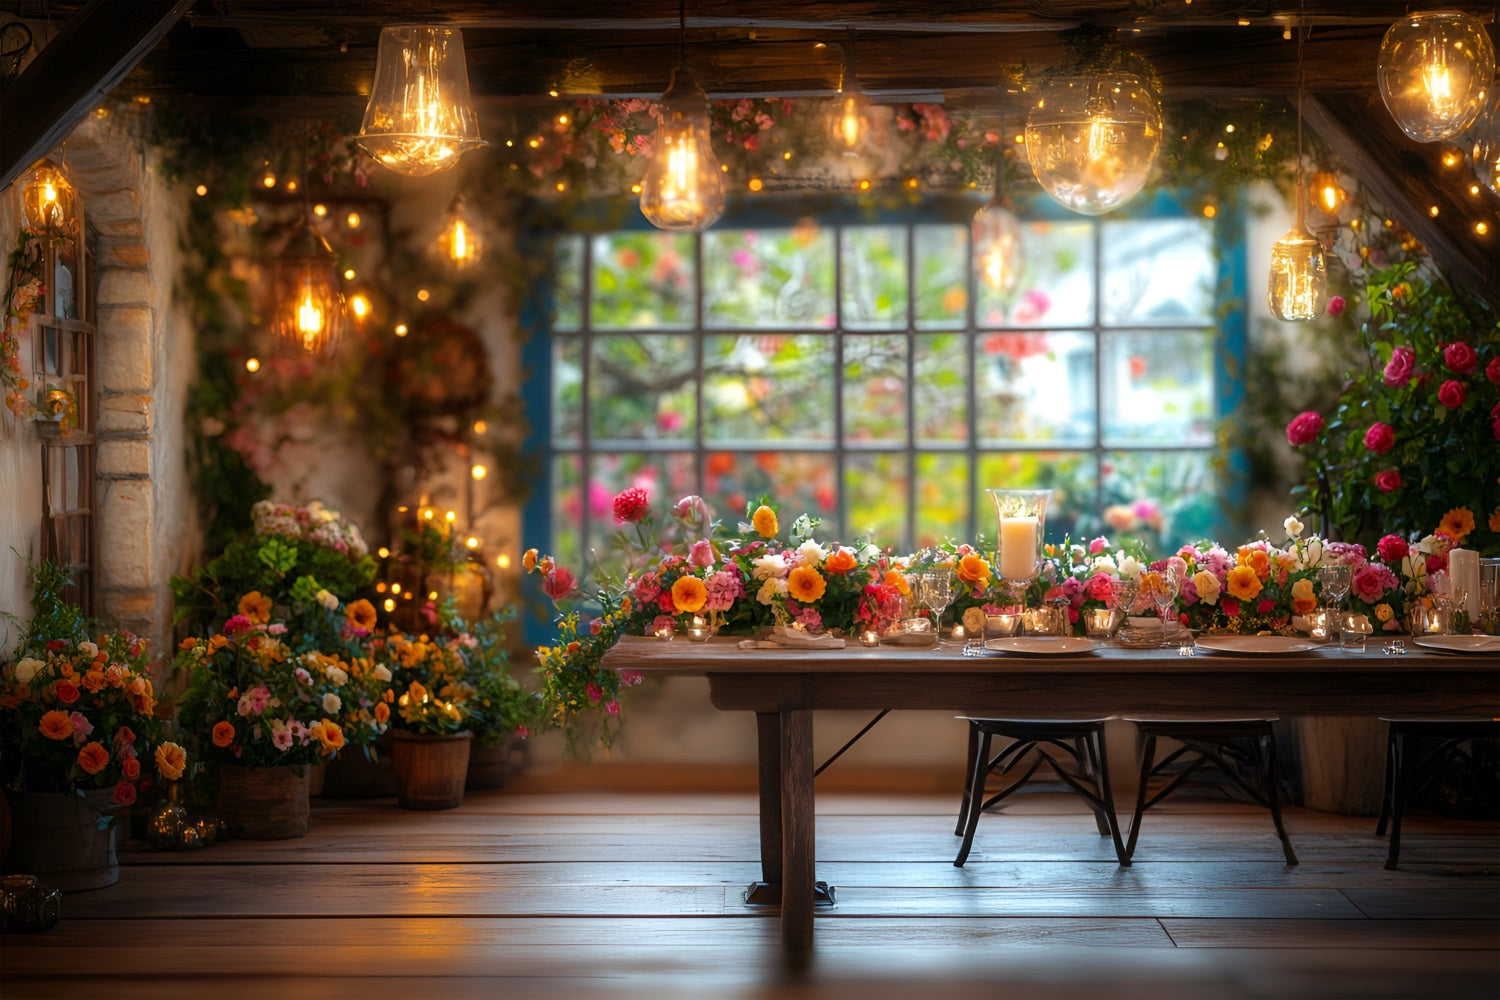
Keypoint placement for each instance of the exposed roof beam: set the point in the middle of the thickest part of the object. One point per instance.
(97, 48)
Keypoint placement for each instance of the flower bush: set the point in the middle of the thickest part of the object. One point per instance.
(1415, 432)
(78, 713)
(433, 688)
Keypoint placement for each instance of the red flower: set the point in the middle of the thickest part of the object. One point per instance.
(558, 584)
(1304, 428)
(1452, 393)
(594, 691)
(67, 692)
(1230, 606)
(632, 504)
(1398, 370)
(1380, 437)
(237, 624)
(57, 644)
(1459, 357)
(1388, 480)
(1336, 305)
(124, 794)
(1492, 370)
(1392, 549)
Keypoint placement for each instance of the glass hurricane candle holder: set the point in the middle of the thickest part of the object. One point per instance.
(1021, 517)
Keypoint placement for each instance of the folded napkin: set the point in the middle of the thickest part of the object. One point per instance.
(1151, 628)
(787, 637)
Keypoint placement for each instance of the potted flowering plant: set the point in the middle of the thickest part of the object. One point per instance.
(262, 715)
(433, 689)
(78, 735)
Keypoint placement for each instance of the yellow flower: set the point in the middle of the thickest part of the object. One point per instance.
(1457, 524)
(256, 607)
(805, 584)
(764, 522)
(171, 761)
(528, 561)
(361, 614)
(1384, 612)
(1303, 598)
(973, 570)
(1243, 583)
(328, 733)
(689, 594)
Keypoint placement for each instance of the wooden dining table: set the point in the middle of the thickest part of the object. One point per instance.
(784, 686)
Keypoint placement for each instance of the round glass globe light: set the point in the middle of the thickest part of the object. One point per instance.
(1436, 70)
(1092, 139)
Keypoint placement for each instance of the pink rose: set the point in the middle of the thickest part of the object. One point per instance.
(1392, 549)
(1098, 545)
(1380, 437)
(594, 692)
(1452, 393)
(1371, 581)
(1304, 428)
(237, 625)
(612, 707)
(1388, 480)
(701, 553)
(1336, 305)
(1101, 587)
(1459, 357)
(558, 584)
(1492, 370)
(1398, 370)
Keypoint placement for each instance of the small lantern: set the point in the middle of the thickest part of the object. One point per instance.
(48, 203)
(310, 309)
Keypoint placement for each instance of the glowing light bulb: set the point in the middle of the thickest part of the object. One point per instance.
(683, 188)
(1298, 281)
(1092, 139)
(1436, 71)
(420, 118)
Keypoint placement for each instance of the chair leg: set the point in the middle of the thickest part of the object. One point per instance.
(1148, 754)
(1273, 795)
(976, 795)
(1092, 757)
(1106, 794)
(963, 805)
(1388, 784)
(1405, 763)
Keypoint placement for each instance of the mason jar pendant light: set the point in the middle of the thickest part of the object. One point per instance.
(683, 188)
(1095, 129)
(1436, 70)
(420, 118)
(48, 203)
(995, 233)
(1298, 280)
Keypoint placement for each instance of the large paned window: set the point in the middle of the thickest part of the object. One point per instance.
(858, 371)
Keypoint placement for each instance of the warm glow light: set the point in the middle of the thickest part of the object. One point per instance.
(348, 274)
(389, 605)
(310, 307)
(201, 190)
(291, 185)
(359, 306)
(683, 188)
(471, 542)
(48, 203)
(478, 472)
(420, 118)
(268, 181)
(480, 427)
(864, 184)
(383, 552)
(999, 250)
(1432, 210)
(427, 513)
(1092, 139)
(320, 210)
(1298, 280)
(381, 588)
(1481, 227)
(503, 560)
(458, 244)
(395, 588)
(1209, 211)
(402, 329)
(450, 517)
(252, 365)
(1325, 192)
(352, 220)
(423, 295)
(755, 184)
(432, 595)
(1436, 70)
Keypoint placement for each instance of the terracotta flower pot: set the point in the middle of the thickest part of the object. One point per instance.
(430, 770)
(264, 803)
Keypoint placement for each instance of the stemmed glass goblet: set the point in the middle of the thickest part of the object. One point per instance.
(1335, 579)
(1162, 588)
(937, 594)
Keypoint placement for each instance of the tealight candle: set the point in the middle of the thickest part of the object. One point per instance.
(697, 634)
(958, 632)
(664, 633)
(869, 638)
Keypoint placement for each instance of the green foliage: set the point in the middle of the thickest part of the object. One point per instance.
(53, 616)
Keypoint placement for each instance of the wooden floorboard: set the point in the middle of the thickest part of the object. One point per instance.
(584, 895)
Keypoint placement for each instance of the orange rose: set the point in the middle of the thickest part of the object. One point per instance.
(840, 561)
(328, 733)
(361, 614)
(66, 692)
(171, 759)
(528, 560)
(141, 695)
(130, 767)
(93, 758)
(256, 607)
(689, 594)
(57, 725)
(805, 584)
(93, 681)
(973, 570)
(625, 605)
(1242, 583)
(382, 711)
(764, 522)
(896, 578)
(187, 643)
(1303, 598)
(223, 734)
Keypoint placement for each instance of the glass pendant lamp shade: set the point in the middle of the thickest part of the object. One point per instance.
(683, 188)
(459, 244)
(48, 203)
(1298, 281)
(309, 305)
(996, 237)
(420, 118)
(1093, 137)
(851, 124)
(1482, 142)
(1436, 70)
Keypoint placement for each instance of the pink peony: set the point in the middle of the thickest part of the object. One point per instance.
(1452, 393)
(612, 707)
(1336, 305)
(632, 504)
(1388, 480)
(1460, 358)
(1399, 369)
(1380, 438)
(1304, 428)
(1098, 545)
(1392, 548)
(1101, 587)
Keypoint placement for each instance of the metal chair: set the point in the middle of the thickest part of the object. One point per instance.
(1223, 742)
(1408, 770)
(1073, 747)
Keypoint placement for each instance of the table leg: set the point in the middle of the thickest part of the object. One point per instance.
(768, 738)
(797, 833)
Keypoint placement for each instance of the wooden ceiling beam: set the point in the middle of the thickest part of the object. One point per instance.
(97, 48)
(1407, 178)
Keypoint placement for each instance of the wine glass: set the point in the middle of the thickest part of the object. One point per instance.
(1335, 578)
(937, 594)
(1162, 588)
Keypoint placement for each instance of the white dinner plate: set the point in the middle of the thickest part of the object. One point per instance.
(1461, 643)
(1256, 645)
(1039, 645)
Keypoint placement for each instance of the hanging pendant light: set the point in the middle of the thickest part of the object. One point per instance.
(420, 118)
(995, 233)
(459, 245)
(1298, 280)
(1095, 129)
(1436, 70)
(48, 203)
(683, 188)
(850, 128)
(310, 309)
(1482, 143)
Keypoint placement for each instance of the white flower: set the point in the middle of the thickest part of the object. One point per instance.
(1293, 527)
(770, 590)
(810, 553)
(1130, 566)
(26, 669)
(768, 567)
(1104, 564)
(382, 672)
(867, 552)
(328, 600)
(1312, 555)
(331, 703)
(88, 649)
(337, 676)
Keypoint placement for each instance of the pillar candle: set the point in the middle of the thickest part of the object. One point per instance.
(1018, 548)
(1463, 570)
